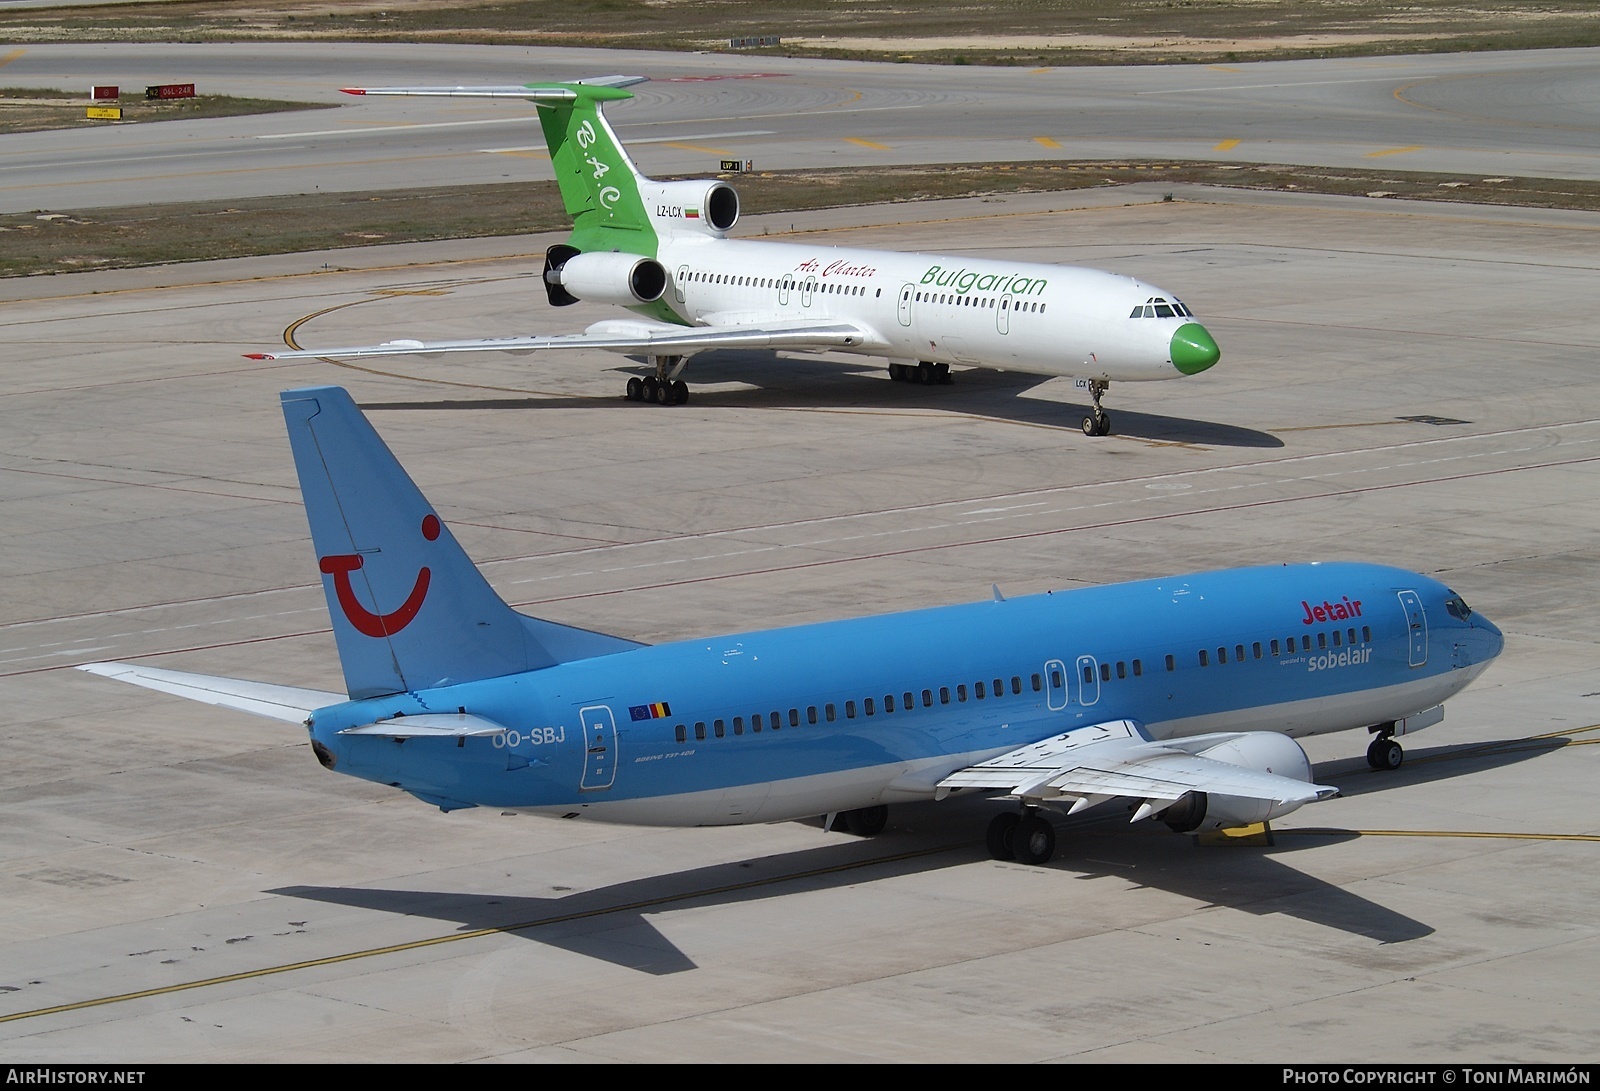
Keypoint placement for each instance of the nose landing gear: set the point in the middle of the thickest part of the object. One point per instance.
(1098, 423)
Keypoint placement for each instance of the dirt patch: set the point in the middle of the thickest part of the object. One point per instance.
(1000, 32)
(32, 109)
(51, 242)
(985, 42)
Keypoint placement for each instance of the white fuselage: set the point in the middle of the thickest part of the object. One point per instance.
(1007, 315)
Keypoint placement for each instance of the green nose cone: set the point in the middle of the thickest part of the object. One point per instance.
(1193, 350)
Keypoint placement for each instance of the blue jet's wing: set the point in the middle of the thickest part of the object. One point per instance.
(1091, 765)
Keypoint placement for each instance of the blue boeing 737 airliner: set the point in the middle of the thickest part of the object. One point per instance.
(1182, 695)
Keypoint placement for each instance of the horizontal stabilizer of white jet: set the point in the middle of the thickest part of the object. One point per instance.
(534, 93)
(288, 703)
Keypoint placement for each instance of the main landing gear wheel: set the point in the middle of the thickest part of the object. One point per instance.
(1098, 422)
(1002, 831)
(1034, 841)
(867, 821)
(1385, 753)
(662, 388)
(926, 372)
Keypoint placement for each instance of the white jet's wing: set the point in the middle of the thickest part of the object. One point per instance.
(535, 92)
(618, 336)
(1093, 764)
(288, 703)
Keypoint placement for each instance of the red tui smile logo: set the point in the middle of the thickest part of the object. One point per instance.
(367, 623)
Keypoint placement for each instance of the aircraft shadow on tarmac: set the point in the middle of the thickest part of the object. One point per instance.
(811, 383)
(612, 923)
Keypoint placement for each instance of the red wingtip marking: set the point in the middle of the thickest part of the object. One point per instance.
(354, 90)
(259, 356)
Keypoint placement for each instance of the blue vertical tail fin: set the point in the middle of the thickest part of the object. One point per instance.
(410, 610)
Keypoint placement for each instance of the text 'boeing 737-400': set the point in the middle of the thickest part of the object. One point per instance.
(1183, 696)
(661, 249)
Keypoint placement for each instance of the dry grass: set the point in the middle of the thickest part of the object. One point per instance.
(1027, 32)
(36, 243)
(31, 109)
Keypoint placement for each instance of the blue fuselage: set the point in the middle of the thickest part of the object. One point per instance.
(785, 723)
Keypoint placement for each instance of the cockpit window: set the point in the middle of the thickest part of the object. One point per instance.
(1156, 307)
(1457, 607)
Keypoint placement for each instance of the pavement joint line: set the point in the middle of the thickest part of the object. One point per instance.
(658, 542)
(864, 558)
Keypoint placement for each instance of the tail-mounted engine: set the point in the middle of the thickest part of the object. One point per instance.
(624, 279)
(704, 206)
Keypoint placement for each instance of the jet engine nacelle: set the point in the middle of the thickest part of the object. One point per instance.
(711, 207)
(624, 279)
(1263, 751)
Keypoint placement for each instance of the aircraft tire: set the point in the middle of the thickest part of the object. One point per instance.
(636, 389)
(999, 837)
(925, 373)
(868, 821)
(1035, 840)
(680, 392)
(1385, 754)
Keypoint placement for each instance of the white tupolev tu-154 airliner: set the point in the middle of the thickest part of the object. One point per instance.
(1182, 696)
(661, 249)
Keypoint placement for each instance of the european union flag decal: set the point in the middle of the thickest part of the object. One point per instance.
(650, 712)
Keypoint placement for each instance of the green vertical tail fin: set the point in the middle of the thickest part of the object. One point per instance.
(599, 183)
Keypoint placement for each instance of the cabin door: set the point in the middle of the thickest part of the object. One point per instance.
(1055, 680)
(1417, 622)
(599, 748)
(1089, 678)
(904, 311)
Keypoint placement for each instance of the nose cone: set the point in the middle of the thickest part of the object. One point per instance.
(1193, 350)
(1493, 639)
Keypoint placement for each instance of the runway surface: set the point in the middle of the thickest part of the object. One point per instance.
(1403, 383)
(1479, 114)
